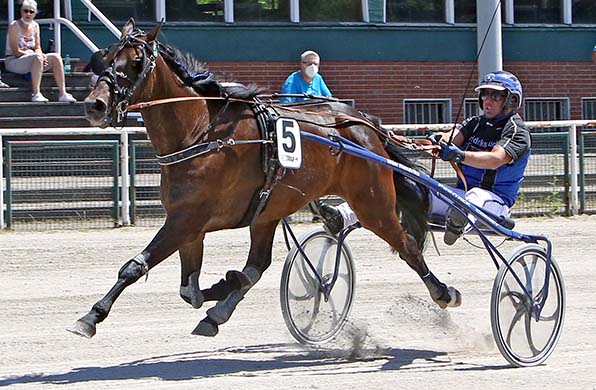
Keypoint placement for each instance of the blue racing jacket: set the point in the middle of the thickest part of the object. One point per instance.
(508, 132)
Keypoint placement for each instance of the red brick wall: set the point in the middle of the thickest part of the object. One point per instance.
(380, 87)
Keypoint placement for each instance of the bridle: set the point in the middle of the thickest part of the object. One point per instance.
(123, 94)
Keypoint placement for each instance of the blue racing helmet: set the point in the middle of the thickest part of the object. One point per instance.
(501, 80)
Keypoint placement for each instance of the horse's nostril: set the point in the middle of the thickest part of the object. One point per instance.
(95, 106)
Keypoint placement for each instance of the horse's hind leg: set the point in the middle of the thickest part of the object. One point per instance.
(259, 259)
(191, 259)
(163, 245)
(390, 229)
(443, 295)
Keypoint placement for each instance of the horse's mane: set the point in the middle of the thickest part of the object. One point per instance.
(195, 74)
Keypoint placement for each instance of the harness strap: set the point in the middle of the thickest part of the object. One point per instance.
(270, 163)
(202, 149)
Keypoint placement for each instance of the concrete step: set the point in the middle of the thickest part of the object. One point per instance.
(24, 94)
(74, 79)
(34, 110)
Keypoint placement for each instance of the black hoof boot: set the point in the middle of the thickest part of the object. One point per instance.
(207, 327)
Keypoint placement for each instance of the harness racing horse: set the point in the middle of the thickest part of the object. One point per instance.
(207, 139)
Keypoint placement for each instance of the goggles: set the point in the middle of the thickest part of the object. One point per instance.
(494, 96)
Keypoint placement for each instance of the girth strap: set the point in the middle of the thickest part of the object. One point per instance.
(270, 164)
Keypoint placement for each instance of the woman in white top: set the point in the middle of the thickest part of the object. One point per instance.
(23, 54)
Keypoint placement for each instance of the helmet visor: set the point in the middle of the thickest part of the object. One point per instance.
(496, 87)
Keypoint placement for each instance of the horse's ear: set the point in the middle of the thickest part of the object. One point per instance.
(128, 27)
(153, 33)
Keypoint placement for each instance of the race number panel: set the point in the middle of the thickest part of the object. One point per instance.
(289, 147)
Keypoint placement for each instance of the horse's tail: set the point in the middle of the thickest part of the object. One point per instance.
(413, 201)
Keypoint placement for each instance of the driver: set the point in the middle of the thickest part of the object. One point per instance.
(492, 150)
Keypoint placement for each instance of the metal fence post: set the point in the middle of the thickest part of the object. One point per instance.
(8, 186)
(574, 169)
(1, 185)
(582, 173)
(124, 172)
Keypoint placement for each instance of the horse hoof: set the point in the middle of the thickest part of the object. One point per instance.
(83, 329)
(455, 295)
(454, 299)
(206, 327)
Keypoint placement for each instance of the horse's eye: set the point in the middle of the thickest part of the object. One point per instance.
(137, 63)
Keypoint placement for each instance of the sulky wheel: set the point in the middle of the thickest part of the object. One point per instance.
(309, 316)
(522, 339)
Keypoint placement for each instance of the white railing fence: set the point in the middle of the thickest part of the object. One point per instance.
(124, 150)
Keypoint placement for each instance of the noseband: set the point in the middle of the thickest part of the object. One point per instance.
(122, 95)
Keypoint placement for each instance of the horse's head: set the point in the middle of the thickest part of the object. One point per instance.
(128, 65)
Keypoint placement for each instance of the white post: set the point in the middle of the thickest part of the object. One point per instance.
(365, 13)
(57, 28)
(449, 12)
(160, 10)
(574, 169)
(295, 11)
(488, 36)
(1, 186)
(124, 174)
(228, 11)
(10, 11)
(567, 12)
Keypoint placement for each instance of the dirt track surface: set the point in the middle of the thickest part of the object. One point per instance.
(397, 338)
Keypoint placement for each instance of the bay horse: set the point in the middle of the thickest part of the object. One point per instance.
(206, 135)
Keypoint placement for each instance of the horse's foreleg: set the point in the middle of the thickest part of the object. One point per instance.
(191, 259)
(259, 259)
(163, 245)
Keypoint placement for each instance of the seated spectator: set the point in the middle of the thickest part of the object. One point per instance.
(96, 65)
(24, 54)
(306, 80)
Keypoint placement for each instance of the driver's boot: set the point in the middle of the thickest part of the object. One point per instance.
(332, 218)
(454, 226)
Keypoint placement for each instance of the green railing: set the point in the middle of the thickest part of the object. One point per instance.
(62, 184)
(587, 172)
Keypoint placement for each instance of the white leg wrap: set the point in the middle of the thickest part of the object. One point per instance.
(347, 214)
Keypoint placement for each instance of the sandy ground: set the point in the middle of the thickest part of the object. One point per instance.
(396, 338)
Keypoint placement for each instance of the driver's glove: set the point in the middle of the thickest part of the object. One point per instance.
(450, 152)
(435, 138)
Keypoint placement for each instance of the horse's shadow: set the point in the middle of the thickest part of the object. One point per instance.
(204, 364)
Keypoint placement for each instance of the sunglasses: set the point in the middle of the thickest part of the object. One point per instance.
(494, 96)
(28, 11)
